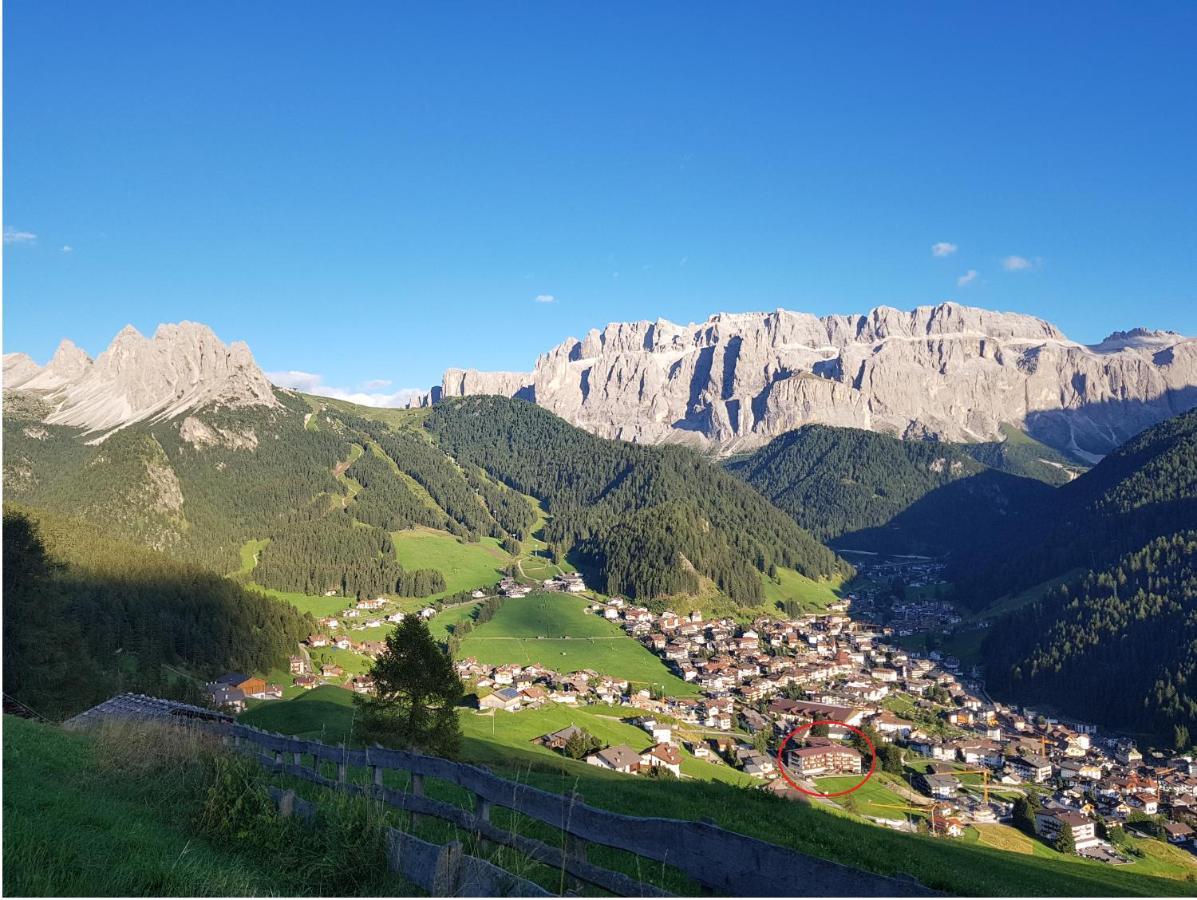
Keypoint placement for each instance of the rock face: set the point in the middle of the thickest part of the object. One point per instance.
(949, 372)
(182, 367)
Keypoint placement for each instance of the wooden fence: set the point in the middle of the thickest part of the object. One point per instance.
(722, 862)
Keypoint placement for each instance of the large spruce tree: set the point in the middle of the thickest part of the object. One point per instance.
(416, 694)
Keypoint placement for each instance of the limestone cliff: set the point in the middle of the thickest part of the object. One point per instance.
(181, 368)
(950, 372)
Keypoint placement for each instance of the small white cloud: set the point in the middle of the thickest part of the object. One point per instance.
(967, 278)
(545, 298)
(1017, 264)
(943, 248)
(67, 248)
(294, 380)
(375, 383)
(12, 236)
(311, 383)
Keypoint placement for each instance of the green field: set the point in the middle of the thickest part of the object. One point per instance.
(465, 566)
(876, 797)
(555, 630)
(815, 596)
(485, 731)
(324, 713)
(443, 623)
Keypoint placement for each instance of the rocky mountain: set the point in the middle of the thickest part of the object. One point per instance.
(182, 367)
(949, 372)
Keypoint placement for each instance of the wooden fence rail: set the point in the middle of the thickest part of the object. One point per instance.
(723, 862)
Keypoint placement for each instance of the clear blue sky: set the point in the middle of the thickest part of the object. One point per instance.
(375, 191)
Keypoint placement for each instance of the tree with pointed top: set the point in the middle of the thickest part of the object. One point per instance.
(416, 694)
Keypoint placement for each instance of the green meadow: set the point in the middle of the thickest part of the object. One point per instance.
(465, 566)
(814, 596)
(554, 630)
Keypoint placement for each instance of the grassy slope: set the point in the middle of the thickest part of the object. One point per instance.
(465, 566)
(554, 630)
(71, 830)
(973, 867)
(815, 596)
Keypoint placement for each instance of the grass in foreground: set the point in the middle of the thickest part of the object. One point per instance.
(995, 862)
(120, 812)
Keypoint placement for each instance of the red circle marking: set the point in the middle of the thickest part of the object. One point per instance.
(856, 787)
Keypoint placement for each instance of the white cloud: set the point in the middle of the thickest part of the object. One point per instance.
(943, 248)
(12, 236)
(311, 383)
(1017, 264)
(545, 298)
(967, 278)
(67, 248)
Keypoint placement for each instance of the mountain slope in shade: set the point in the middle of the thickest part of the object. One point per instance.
(181, 368)
(950, 372)
(873, 492)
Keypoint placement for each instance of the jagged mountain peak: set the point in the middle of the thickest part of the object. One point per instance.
(183, 367)
(946, 371)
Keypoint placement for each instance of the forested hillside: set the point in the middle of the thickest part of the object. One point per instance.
(1118, 646)
(868, 491)
(86, 616)
(319, 491)
(652, 520)
(1145, 489)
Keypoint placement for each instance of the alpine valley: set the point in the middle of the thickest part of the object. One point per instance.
(707, 521)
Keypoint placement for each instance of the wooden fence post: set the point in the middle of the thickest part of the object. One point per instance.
(377, 772)
(448, 870)
(573, 848)
(297, 758)
(417, 790)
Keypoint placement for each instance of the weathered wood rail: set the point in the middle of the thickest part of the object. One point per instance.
(722, 862)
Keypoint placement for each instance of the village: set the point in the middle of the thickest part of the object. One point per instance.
(967, 759)
(963, 759)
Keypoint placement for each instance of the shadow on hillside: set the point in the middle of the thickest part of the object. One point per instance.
(1096, 429)
(957, 518)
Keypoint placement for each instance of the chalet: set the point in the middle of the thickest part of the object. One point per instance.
(620, 758)
(298, 664)
(507, 699)
(249, 686)
(395, 617)
(1177, 832)
(1145, 803)
(824, 760)
(557, 740)
(1049, 824)
(947, 826)
(343, 643)
(534, 695)
(363, 684)
(1128, 755)
(890, 726)
(1031, 768)
(664, 756)
(941, 787)
(307, 682)
(317, 640)
(331, 670)
(224, 697)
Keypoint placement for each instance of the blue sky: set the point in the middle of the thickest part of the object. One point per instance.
(372, 192)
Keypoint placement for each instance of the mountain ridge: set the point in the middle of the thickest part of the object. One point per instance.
(948, 372)
(183, 367)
